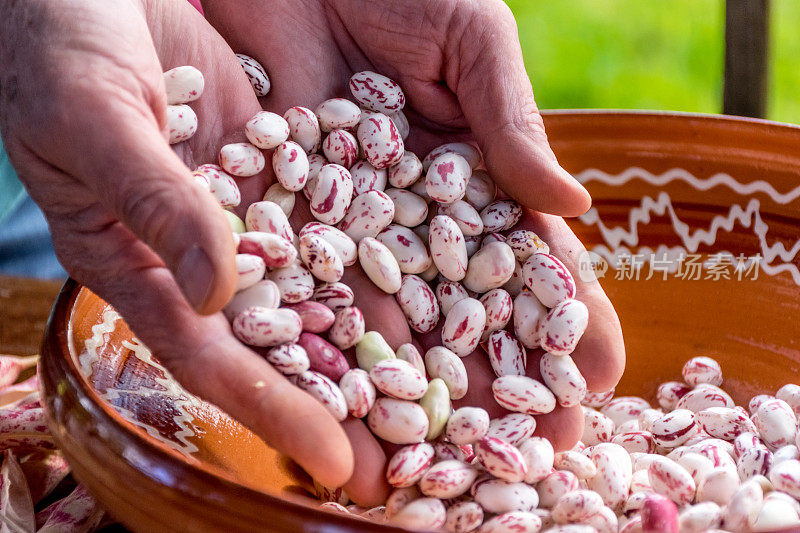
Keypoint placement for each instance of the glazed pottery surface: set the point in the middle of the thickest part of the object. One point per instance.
(694, 236)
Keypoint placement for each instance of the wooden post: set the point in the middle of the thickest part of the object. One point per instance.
(746, 57)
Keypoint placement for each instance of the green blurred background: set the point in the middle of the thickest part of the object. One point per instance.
(647, 54)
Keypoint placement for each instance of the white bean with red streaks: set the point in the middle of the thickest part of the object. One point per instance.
(547, 277)
(500, 215)
(381, 141)
(266, 130)
(407, 247)
(754, 461)
(348, 327)
(539, 456)
(446, 178)
(268, 217)
(401, 122)
(367, 178)
(725, 423)
(241, 159)
(561, 375)
(790, 394)
(406, 171)
(481, 190)
(624, 408)
(315, 164)
(410, 354)
(332, 194)
(181, 123)
(466, 216)
(669, 479)
(291, 166)
(742, 511)
(335, 296)
(321, 258)
(324, 391)
(448, 293)
(276, 251)
(263, 293)
(597, 400)
(756, 401)
(525, 243)
(250, 269)
(467, 425)
(506, 354)
(265, 327)
(410, 209)
(418, 303)
(423, 514)
(446, 365)
(379, 264)
(377, 92)
(294, 281)
(183, 84)
(704, 396)
(470, 153)
(408, 464)
(718, 486)
(529, 313)
(563, 327)
(447, 479)
(499, 308)
(699, 370)
(700, 517)
(553, 486)
(463, 326)
(776, 423)
(670, 392)
(614, 473)
(473, 244)
(337, 113)
(514, 428)
(575, 462)
(515, 284)
(597, 427)
(489, 268)
(343, 244)
(625, 427)
(785, 477)
(398, 379)
(398, 421)
(303, 128)
(359, 392)
(674, 428)
(255, 73)
(463, 517)
(501, 459)
(288, 359)
(576, 506)
(636, 441)
(513, 522)
(522, 394)
(498, 496)
(341, 148)
(368, 214)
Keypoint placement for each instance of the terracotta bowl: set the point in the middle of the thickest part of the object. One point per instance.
(692, 187)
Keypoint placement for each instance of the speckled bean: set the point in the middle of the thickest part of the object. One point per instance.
(290, 164)
(321, 258)
(447, 479)
(332, 194)
(446, 178)
(563, 327)
(340, 148)
(220, 184)
(263, 293)
(381, 141)
(367, 178)
(241, 159)
(500, 215)
(250, 269)
(470, 153)
(418, 303)
(410, 209)
(480, 190)
(376, 92)
(324, 391)
(335, 296)
(529, 313)
(548, 279)
(490, 267)
(463, 326)
(359, 392)
(398, 421)
(266, 130)
(408, 249)
(523, 395)
(467, 425)
(369, 213)
(398, 379)
(561, 375)
(463, 517)
(337, 113)
(303, 128)
(348, 327)
(498, 496)
(181, 123)
(255, 73)
(294, 281)
(506, 354)
(379, 264)
(406, 171)
(443, 363)
(408, 464)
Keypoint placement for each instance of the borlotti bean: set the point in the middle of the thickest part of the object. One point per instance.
(548, 279)
(406, 171)
(446, 178)
(528, 313)
(181, 123)
(514, 428)
(406, 246)
(316, 317)
(337, 113)
(263, 293)
(369, 213)
(303, 128)
(381, 141)
(333, 192)
(323, 356)
(348, 327)
(335, 296)
(471, 154)
(325, 392)
(321, 258)
(501, 459)
(409, 464)
(448, 293)
(410, 209)
(290, 164)
(489, 268)
(561, 375)
(266, 130)
(359, 392)
(447, 479)
(464, 326)
(463, 517)
(268, 217)
(241, 159)
(398, 379)
(522, 394)
(379, 264)
(275, 251)
(255, 73)
(367, 178)
(340, 148)
(250, 269)
(563, 327)
(506, 354)
(398, 421)
(446, 365)
(376, 92)
(466, 216)
(183, 84)
(467, 425)
(294, 281)
(409, 353)
(418, 303)
(288, 359)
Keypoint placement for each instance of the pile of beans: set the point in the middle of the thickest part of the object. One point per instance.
(442, 239)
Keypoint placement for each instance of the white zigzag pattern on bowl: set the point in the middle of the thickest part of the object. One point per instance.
(749, 216)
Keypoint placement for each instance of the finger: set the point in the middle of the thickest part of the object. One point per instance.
(368, 486)
(488, 76)
(600, 354)
(202, 354)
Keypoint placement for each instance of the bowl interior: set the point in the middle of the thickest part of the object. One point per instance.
(678, 186)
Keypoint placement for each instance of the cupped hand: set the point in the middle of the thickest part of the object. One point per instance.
(83, 115)
(460, 66)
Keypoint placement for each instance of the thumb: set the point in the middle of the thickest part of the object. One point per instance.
(137, 177)
(495, 94)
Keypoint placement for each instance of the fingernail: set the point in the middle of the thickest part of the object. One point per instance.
(195, 276)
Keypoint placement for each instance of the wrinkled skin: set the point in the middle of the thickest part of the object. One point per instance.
(128, 223)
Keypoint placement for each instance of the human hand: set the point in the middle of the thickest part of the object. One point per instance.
(83, 115)
(461, 68)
